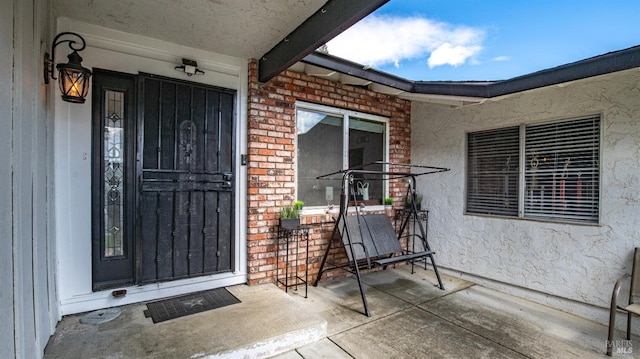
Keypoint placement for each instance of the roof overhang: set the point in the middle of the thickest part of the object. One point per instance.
(458, 93)
(326, 23)
(278, 33)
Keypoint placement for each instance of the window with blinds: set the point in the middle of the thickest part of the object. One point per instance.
(492, 171)
(562, 172)
(560, 177)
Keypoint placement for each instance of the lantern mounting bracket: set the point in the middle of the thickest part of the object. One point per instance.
(49, 59)
(73, 78)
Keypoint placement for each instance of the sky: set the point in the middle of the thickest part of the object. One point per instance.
(478, 40)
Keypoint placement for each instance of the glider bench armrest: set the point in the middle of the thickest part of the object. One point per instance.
(402, 258)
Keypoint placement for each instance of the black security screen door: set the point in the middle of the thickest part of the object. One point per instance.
(163, 179)
(187, 183)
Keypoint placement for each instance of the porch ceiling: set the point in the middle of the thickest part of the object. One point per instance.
(240, 28)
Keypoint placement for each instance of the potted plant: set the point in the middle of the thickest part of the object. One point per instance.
(408, 202)
(298, 205)
(388, 203)
(289, 217)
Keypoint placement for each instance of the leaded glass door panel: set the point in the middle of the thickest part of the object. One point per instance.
(113, 195)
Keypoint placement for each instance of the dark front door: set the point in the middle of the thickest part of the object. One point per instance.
(187, 182)
(163, 179)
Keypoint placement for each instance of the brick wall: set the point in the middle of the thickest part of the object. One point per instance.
(271, 163)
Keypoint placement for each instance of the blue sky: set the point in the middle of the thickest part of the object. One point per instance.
(487, 39)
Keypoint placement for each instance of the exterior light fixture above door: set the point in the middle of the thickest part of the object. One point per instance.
(73, 79)
(189, 67)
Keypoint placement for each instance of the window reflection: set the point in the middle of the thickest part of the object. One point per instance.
(322, 149)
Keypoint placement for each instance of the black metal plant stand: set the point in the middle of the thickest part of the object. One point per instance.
(294, 275)
(407, 221)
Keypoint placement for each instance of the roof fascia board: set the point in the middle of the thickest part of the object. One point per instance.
(326, 23)
(594, 66)
(466, 89)
(351, 68)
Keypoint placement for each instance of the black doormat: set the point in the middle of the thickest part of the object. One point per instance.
(189, 304)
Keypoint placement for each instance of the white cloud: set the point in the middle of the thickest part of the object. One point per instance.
(500, 58)
(381, 40)
(447, 54)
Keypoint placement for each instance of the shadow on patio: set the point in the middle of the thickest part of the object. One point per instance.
(411, 318)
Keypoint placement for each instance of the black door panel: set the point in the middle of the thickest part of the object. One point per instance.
(187, 177)
(113, 179)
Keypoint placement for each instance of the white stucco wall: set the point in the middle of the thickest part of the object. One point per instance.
(118, 51)
(28, 310)
(562, 265)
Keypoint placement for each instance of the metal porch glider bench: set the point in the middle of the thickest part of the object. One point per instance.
(370, 240)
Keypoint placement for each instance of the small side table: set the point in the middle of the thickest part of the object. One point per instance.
(294, 275)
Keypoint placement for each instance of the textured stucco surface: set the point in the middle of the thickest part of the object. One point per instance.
(239, 28)
(564, 264)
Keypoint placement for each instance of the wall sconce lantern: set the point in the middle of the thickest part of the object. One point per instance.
(72, 77)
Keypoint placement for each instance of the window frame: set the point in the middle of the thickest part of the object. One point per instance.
(522, 173)
(345, 114)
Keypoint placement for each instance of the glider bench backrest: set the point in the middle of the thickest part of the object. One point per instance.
(373, 236)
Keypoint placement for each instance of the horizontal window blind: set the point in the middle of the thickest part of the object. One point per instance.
(562, 174)
(492, 172)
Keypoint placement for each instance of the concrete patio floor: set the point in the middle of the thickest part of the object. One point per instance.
(410, 318)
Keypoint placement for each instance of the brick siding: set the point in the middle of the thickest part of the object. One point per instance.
(271, 162)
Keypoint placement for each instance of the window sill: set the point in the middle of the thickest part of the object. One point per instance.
(311, 211)
(532, 219)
